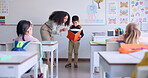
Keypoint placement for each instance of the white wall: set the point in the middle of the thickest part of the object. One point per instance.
(38, 10)
(7, 33)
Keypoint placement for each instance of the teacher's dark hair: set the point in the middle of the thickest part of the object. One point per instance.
(58, 17)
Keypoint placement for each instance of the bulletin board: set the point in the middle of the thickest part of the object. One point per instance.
(139, 11)
(38, 11)
(118, 12)
(121, 12)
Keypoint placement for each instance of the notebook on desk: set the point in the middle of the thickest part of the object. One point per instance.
(98, 43)
(3, 56)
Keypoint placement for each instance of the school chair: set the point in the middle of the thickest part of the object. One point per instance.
(2, 47)
(142, 72)
(112, 46)
(141, 69)
(37, 47)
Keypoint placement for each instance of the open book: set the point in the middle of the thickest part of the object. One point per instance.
(73, 37)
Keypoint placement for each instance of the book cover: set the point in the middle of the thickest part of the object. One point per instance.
(73, 37)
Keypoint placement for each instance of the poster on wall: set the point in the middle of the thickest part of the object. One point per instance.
(112, 8)
(139, 11)
(95, 13)
(112, 12)
(123, 12)
(4, 7)
(2, 20)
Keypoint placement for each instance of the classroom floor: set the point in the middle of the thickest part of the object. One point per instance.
(83, 70)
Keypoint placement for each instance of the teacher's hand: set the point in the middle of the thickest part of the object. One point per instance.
(64, 29)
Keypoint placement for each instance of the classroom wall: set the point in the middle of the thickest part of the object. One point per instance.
(7, 33)
(38, 10)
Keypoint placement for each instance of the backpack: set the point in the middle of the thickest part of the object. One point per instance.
(20, 45)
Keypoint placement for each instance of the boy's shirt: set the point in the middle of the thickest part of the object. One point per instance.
(76, 29)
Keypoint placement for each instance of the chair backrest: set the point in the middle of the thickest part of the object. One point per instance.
(142, 72)
(32, 46)
(112, 46)
(2, 47)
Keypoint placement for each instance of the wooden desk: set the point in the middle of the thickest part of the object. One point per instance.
(18, 64)
(116, 64)
(51, 47)
(94, 48)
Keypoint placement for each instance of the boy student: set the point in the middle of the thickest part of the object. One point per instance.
(76, 29)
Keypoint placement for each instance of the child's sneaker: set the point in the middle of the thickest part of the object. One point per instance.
(75, 66)
(68, 65)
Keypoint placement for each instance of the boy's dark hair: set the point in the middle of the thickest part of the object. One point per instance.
(58, 17)
(22, 28)
(75, 18)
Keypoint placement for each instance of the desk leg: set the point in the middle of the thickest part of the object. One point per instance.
(57, 62)
(91, 63)
(100, 72)
(51, 64)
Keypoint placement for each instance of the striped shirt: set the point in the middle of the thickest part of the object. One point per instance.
(76, 29)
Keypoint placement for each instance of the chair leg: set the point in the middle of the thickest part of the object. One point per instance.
(45, 71)
(44, 74)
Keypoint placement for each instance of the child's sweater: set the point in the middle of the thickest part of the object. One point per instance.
(76, 29)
